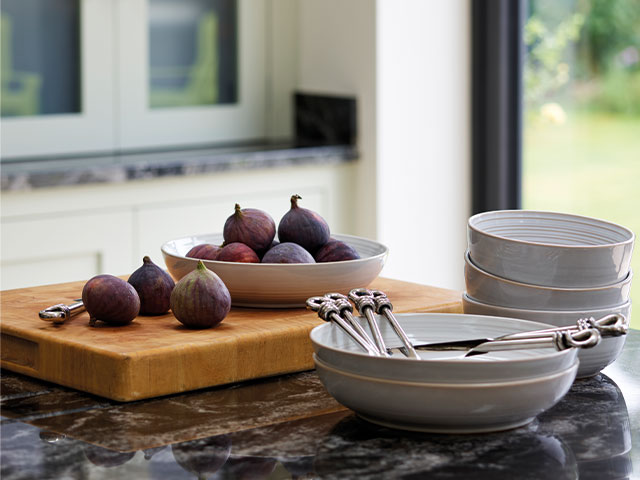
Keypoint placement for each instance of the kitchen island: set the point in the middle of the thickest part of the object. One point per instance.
(289, 427)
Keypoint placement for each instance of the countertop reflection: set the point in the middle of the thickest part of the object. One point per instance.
(289, 427)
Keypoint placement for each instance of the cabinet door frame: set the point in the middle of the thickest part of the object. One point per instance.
(92, 129)
(142, 127)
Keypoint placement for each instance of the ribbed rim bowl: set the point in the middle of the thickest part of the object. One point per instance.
(367, 249)
(453, 385)
(553, 229)
(280, 285)
(446, 407)
(533, 314)
(549, 248)
(334, 347)
(493, 289)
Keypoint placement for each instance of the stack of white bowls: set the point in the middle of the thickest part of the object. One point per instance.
(550, 267)
(444, 391)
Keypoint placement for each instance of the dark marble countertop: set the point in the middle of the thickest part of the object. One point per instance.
(113, 168)
(289, 427)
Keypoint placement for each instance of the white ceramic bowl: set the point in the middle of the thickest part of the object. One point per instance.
(592, 360)
(489, 288)
(446, 407)
(548, 248)
(280, 285)
(332, 346)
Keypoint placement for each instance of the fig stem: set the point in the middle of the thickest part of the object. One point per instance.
(294, 200)
(201, 266)
(238, 210)
(146, 259)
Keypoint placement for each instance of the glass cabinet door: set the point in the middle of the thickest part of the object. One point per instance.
(102, 76)
(57, 56)
(40, 49)
(193, 53)
(202, 79)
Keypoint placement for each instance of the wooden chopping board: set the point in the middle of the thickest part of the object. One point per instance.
(156, 356)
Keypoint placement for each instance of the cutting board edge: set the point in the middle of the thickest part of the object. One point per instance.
(289, 352)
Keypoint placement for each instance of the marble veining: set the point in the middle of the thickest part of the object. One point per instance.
(38, 173)
(288, 427)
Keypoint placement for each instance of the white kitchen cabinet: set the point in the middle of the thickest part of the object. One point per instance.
(65, 247)
(115, 109)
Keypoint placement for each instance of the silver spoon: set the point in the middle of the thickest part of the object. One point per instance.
(610, 325)
(560, 340)
(384, 307)
(363, 301)
(329, 312)
(346, 311)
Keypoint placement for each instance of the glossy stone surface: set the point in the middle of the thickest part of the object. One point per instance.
(43, 173)
(288, 427)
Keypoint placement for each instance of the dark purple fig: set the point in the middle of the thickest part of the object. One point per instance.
(238, 252)
(154, 287)
(273, 244)
(336, 251)
(304, 227)
(104, 457)
(202, 457)
(250, 226)
(287, 252)
(111, 300)
(204, 251)
(200, 299)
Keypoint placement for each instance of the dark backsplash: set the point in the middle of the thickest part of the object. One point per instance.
(324, 120)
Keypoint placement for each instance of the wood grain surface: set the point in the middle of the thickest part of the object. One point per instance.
(156, 356)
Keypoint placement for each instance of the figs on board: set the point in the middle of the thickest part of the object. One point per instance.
(336, 251)
(111, 300)
(237, 252)
(200, 299)
(154, 287)
(304, 227)
(287, 252)
(255, 228)
(204, 251)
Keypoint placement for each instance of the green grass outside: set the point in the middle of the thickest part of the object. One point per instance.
(589, 165)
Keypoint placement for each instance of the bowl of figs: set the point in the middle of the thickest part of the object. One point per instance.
(269, 265)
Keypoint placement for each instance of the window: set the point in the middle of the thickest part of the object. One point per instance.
(557, 108)
(581, 148)
(90, 76)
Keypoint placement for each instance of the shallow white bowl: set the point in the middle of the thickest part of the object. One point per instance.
(280, 285)
(592, 360)
(489, 288)
(332, 346)
(549, 248)
(446, 407)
